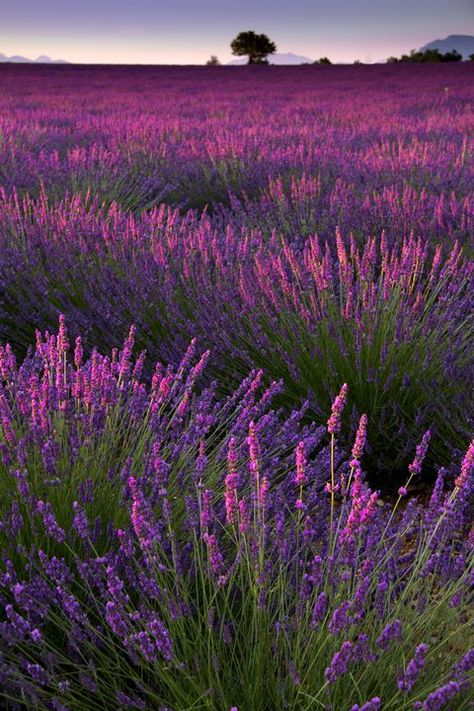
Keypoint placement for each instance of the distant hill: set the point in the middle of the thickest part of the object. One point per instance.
(464, 44)
(280, 59)
(42, 59)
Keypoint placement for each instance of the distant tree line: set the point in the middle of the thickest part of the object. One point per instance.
(257, 47)
(428, 55)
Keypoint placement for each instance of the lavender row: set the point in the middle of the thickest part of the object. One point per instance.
(393, 320)
(377, 140)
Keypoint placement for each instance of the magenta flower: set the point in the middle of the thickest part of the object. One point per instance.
(300, 476)
(244, 516)
(467, 468)
(78, 352)
(252, 443)
(62, 341)
(359, 443)
(334, 422)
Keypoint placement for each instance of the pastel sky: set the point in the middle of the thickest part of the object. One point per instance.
(189, 31)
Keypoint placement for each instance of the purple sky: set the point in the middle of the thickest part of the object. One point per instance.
(189, 31)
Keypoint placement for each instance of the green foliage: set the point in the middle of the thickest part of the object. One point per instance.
(428, 55)
(256, 46)
(389, 374)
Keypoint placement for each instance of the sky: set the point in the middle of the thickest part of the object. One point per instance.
(190, 31)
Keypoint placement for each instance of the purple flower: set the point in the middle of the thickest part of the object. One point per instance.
(37, 673)
(391, 632)
(415, 466)
(339, 663)
(162, 638)
(372, 705)
(465, 664)
(206, 510)
(215, 557)
(441, 696)
(231, 484)
(130, 702)
(340, 618)
(50, 523)
(80, 521)
(124, 365)
(294, 674)
(406, 681)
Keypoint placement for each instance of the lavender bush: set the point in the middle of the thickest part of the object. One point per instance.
(163, 548)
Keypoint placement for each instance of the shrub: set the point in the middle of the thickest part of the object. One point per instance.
(231, 557)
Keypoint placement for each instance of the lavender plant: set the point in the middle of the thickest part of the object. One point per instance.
(163, 548)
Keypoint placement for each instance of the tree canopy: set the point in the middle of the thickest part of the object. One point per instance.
(256, 46)
(429, 55)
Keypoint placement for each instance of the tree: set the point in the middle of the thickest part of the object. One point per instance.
(257, 47)
(471, 57)
(428, 55)
(213, 61)
(452, 56)
(323, 60)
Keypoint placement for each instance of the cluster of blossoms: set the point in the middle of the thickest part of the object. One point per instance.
(149, 530)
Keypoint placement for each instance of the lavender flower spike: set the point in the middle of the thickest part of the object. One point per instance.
(406, 681)
(334, 422)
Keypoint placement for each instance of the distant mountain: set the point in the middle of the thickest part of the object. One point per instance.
(281, 59)
(42, 59)
(464, 44)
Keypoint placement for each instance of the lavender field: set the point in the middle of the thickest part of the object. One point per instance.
(236, 412)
